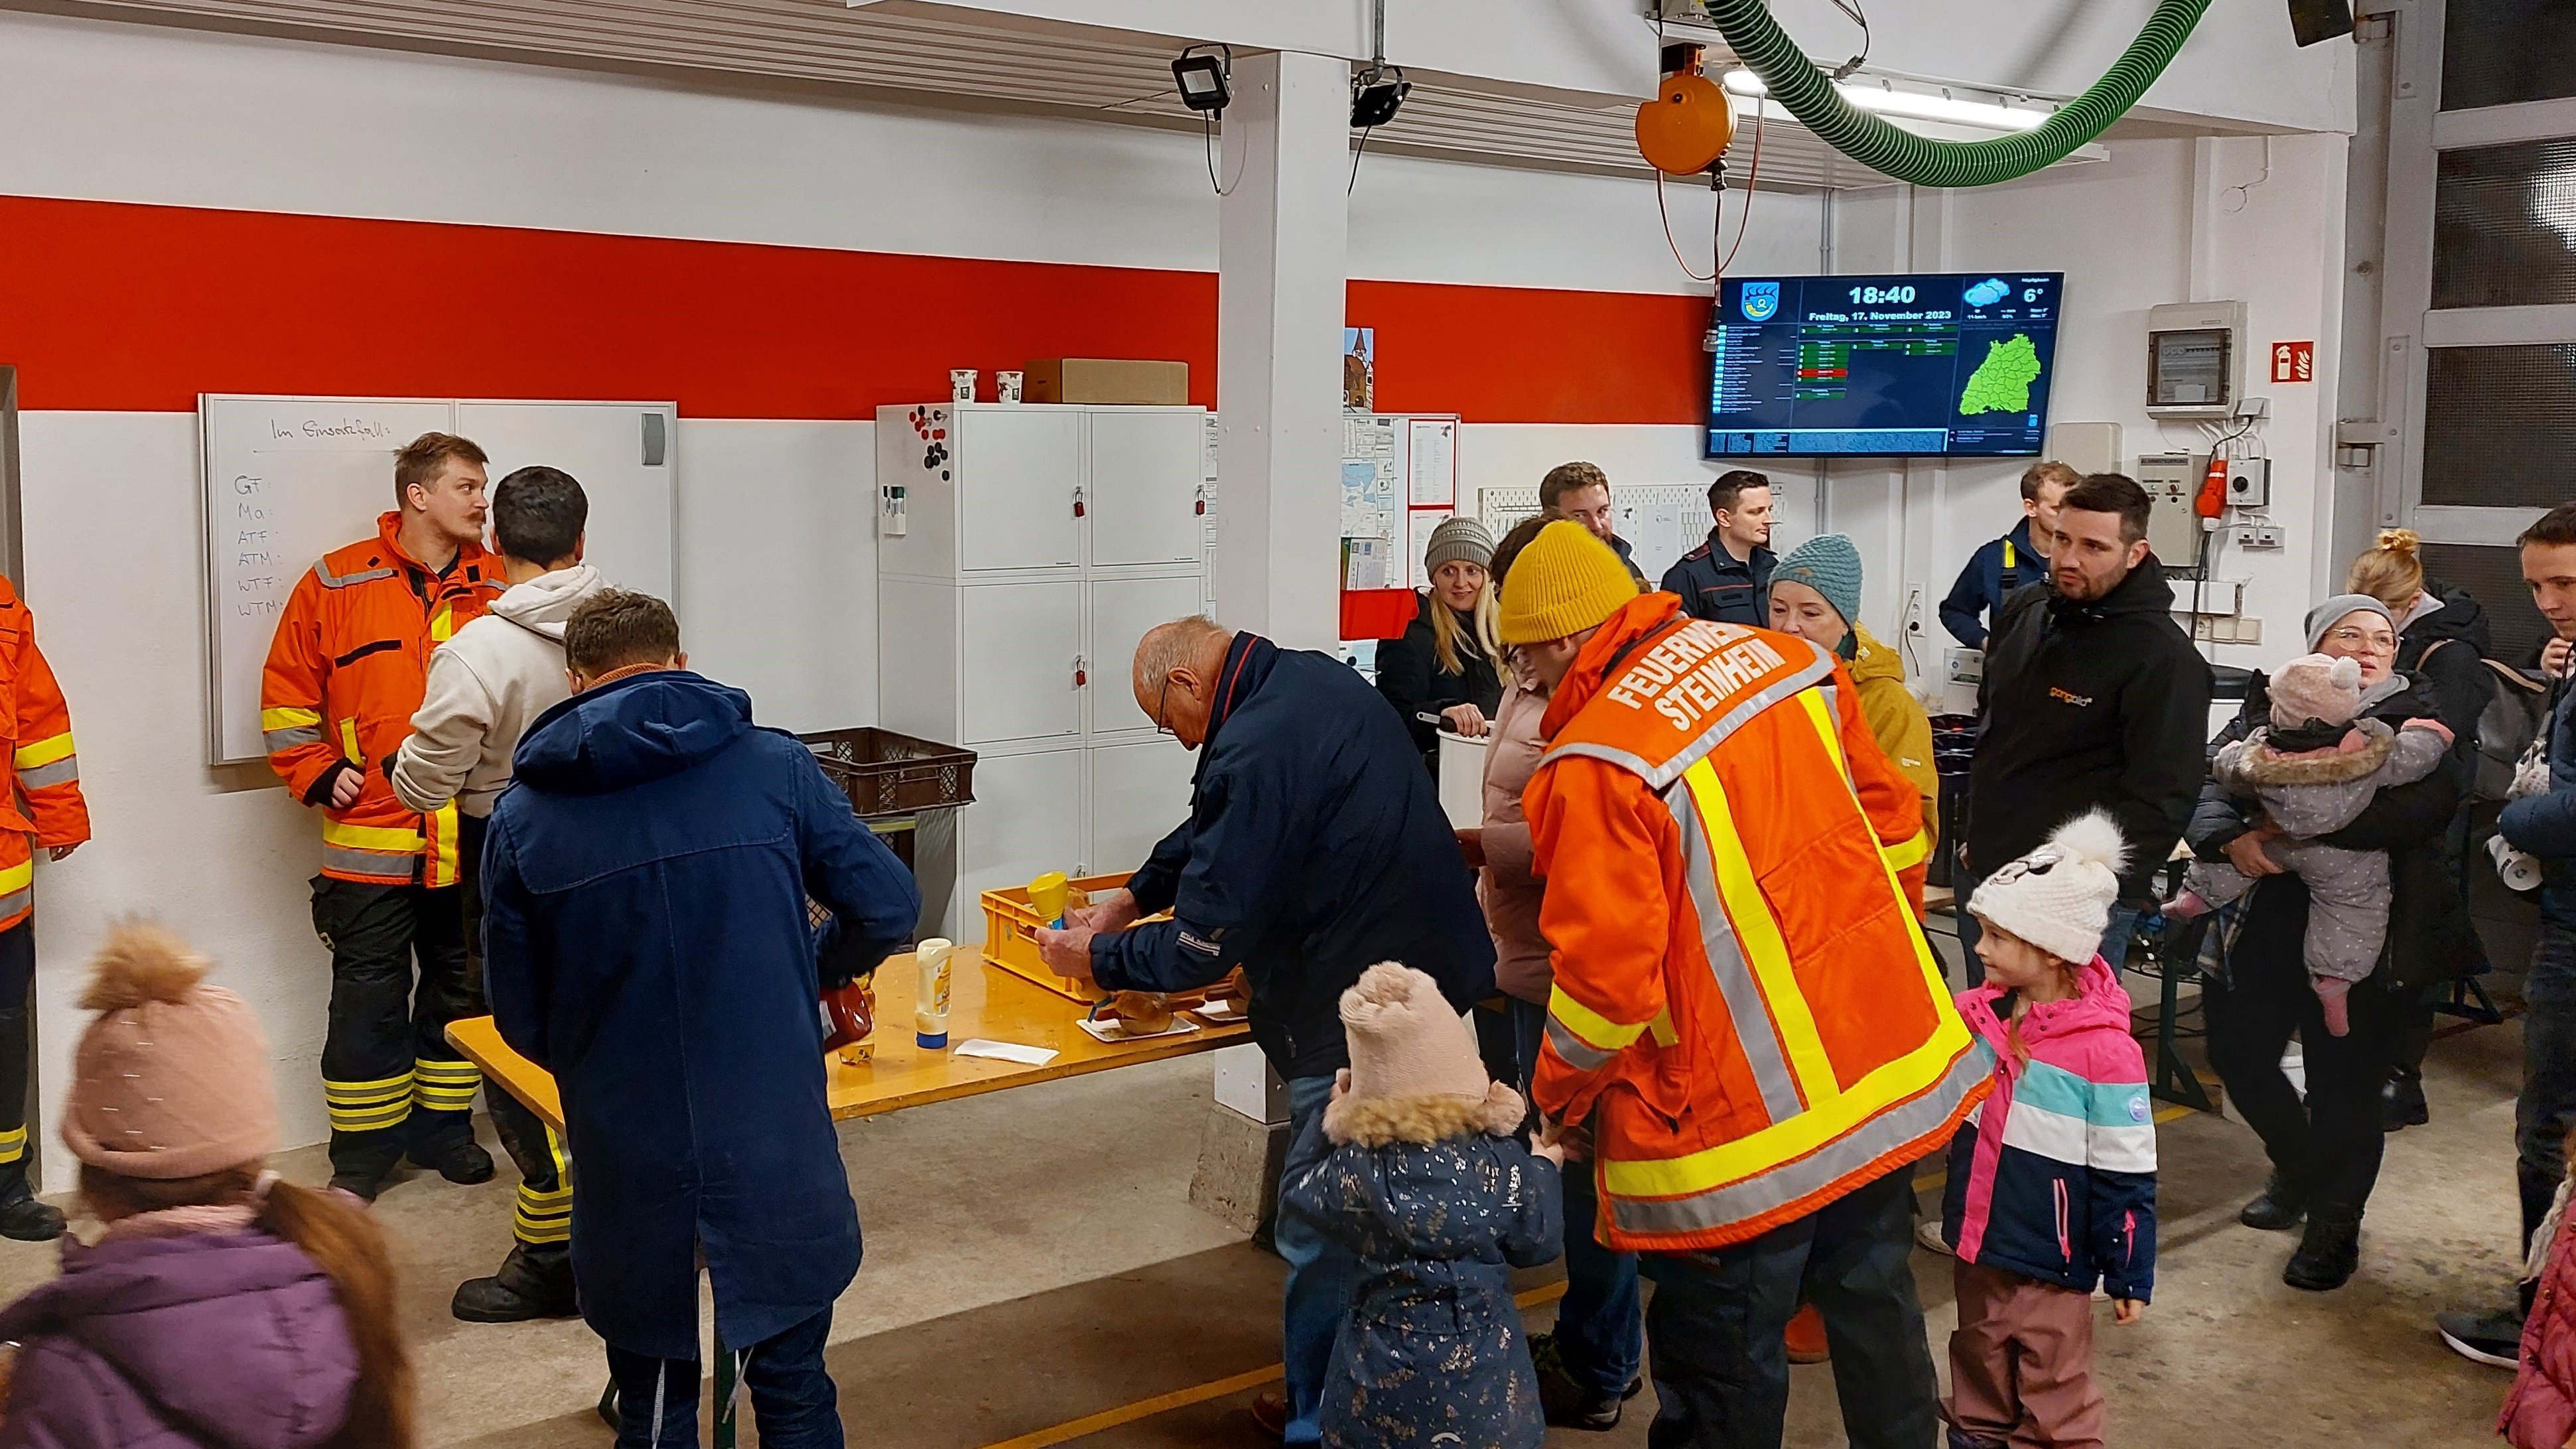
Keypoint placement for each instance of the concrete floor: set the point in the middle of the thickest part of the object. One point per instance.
(1031, 1261)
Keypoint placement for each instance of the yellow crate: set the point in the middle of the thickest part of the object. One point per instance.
(1011, 941)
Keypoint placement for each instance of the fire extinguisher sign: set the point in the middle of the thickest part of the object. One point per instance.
(2294, 362)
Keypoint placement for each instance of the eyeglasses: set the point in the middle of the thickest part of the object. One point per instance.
(2376, 643)
(1161, 725)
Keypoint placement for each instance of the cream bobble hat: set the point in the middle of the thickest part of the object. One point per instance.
(1415, 1074)
(2059, 897)
(172, 1078)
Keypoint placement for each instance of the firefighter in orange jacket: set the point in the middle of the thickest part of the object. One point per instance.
(345, 675)
(40, 804)
(1746, 1016)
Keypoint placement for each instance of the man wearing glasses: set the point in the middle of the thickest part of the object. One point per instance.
(1314, 849)
(2092, 698)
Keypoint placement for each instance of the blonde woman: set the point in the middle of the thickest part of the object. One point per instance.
(2441, 636)
(1448, 669)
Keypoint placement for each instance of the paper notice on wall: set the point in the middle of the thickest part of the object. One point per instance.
(1367, 563)
(1368, 501)
(1421, 522)
(1433, 444)
(1367, 437)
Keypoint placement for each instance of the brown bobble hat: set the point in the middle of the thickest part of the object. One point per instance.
(172, 1078)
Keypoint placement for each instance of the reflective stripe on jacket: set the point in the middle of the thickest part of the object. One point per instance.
(1741, 988)
(345, 673)
(41, 803)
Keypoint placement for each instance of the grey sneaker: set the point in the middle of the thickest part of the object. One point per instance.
(1927, 1234)
(2487, 1338)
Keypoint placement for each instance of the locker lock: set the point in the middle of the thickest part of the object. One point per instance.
(1081, 675)
(1077, 503)
(1198, 504)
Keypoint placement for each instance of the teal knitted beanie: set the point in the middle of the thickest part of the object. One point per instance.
(1829, 565)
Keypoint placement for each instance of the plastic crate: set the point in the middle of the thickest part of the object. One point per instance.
(886, 773)
(1011, 940)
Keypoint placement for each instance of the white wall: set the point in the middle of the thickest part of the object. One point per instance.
(2161, 221)
(777, 560)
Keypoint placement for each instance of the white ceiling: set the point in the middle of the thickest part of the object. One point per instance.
(938, 60)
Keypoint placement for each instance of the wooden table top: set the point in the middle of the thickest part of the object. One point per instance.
(983, 1003)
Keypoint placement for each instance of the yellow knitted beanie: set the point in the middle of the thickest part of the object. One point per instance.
(1564, 582)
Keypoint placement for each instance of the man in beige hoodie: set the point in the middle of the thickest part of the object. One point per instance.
(486, 686)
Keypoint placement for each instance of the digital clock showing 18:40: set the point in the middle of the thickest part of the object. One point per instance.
(1871, 296)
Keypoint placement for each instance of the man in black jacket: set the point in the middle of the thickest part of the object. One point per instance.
(2092, 697)
(1315, 848)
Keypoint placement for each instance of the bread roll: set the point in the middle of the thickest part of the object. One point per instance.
(1142, 1013)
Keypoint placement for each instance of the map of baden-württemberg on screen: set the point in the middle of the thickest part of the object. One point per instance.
(2001, 383)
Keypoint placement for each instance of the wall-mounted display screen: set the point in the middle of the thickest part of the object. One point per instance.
(1954, 363)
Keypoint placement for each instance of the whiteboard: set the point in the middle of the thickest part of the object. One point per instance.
(288, 479)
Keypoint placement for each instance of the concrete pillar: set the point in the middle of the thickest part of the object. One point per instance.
(1282, 273)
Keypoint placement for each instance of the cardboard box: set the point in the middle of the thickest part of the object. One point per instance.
(1107, 380)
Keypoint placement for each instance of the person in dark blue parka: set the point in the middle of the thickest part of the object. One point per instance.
(647, 942)
(1315, 848)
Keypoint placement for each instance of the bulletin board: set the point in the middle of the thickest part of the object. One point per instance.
(1660, 521)
(1399, 481)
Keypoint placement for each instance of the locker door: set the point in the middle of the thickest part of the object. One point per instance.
(1121, 611)
(1145, 477)
(1020, 468)
(1019, 647)
(1138, 793)
(1026, 820)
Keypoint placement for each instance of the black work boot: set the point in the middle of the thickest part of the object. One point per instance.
(535, 1281)
(454, 1155)
(2328, 1254)
(2401, 1102)
(21, 1216)
(2281, 1205)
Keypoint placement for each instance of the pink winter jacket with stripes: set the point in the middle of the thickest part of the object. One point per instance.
(2054, 1176)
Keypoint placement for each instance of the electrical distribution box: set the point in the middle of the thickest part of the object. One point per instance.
(2249, 483)
(2195, 360)
(2173, 531)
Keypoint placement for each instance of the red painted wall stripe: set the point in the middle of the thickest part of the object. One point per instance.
(114, 306)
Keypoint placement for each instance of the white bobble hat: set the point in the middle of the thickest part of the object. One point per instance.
(2059, 897)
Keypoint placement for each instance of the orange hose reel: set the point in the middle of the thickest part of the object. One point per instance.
(1686, 127)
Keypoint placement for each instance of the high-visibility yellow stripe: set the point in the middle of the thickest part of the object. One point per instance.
(444, 859)
(1900, 856)
(1891, 862)
(349, 740)
(1662, 1027)
(383, 1088)
(287, 717)
(563, 1168)
(13, 1144)
(1764, 947)
(439, 1071)
(18, 877)
(371, 837)
(370, 1119)
(378, 1097)
(44, 752)
(1595, 1029)
(442, 627)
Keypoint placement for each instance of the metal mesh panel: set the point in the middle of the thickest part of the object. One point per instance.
(2500, 426)
(2493, 576)
(2496, 52)
(2504, 225)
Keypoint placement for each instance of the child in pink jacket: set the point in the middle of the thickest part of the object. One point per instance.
(2052, 1185)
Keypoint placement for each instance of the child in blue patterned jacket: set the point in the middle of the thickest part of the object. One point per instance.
(2052, 1184)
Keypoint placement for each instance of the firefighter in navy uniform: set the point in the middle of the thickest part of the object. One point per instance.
(345, 674)
(2005, 564)
(1727, 579)
(44, 808)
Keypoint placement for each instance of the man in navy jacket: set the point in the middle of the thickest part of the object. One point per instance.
(1315, 848)
(645, 886)
(2005, 564)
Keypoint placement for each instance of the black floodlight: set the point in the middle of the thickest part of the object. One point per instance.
(1376, 94)
(1201, 78)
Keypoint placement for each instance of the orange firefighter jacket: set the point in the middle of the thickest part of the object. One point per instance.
(1742, 988)
(42, 804)
(345, 675)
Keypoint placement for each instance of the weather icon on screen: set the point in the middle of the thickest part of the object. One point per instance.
(1988, 292)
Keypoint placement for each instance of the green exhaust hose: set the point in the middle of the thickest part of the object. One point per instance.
(1804, 91)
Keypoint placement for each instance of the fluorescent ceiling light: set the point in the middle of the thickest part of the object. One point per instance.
(1886, 100)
